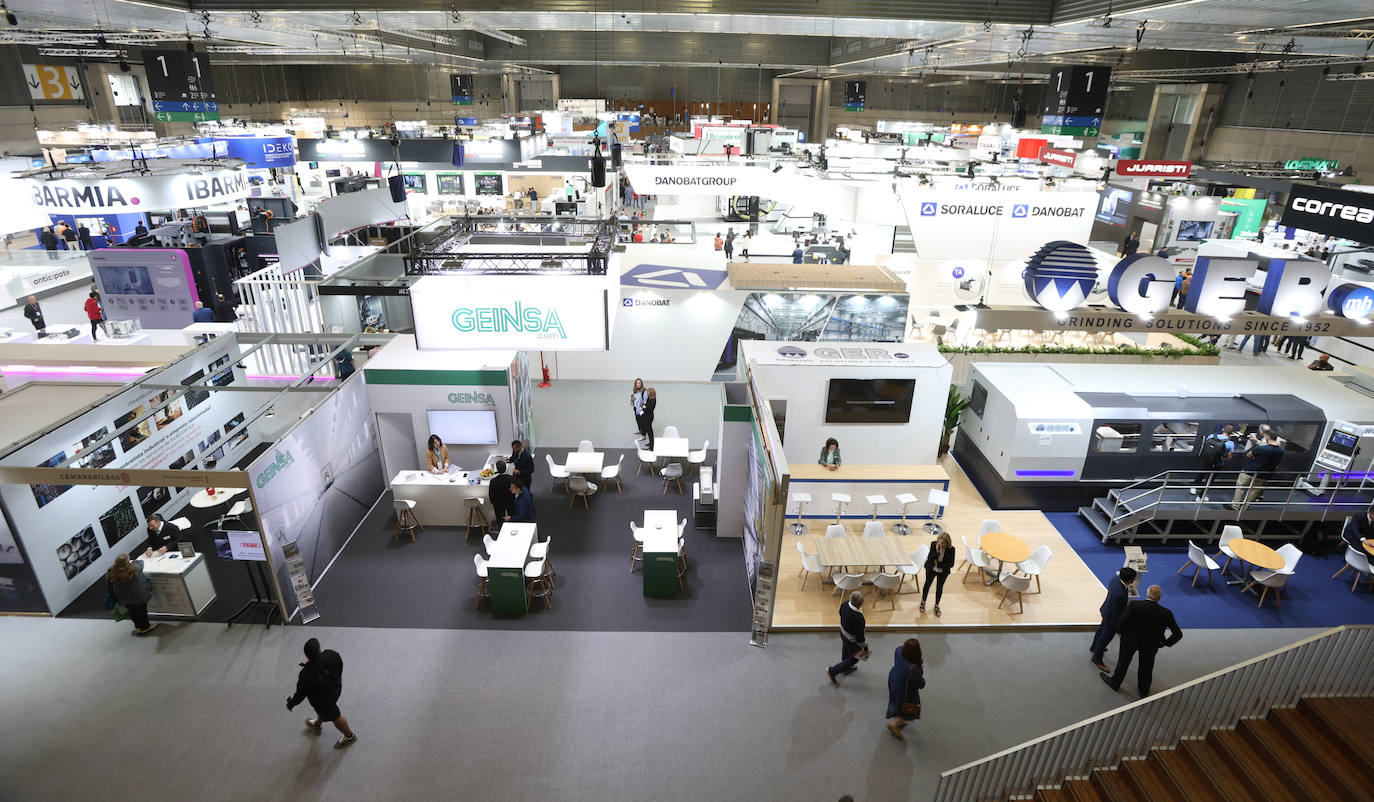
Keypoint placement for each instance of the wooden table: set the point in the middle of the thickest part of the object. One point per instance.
(1369, 546)
(886, 550)
(585, 462)
(506, 568)
(1255, 553)
(1003, 547)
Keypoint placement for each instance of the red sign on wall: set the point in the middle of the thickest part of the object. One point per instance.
(1060, 158)
(1137, 168)
(1029, 148)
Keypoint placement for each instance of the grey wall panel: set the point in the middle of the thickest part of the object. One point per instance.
(658, 47)
(693, 83)
(1304, 102)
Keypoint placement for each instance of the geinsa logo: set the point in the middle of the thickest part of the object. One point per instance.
(1342, 211)
(216, 186)
(694, 180)
(531, 319)
(472, 398)
(89, 197)
(269, 473)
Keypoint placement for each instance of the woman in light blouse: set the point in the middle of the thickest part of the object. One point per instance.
(638, 395)
(830, 454)
(436, 455)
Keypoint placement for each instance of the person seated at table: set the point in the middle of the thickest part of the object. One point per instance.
(522, 503)
(436, 455)
(830, 454)
(1359, 529)
(523, 463)
(500, 495)
(162, 535)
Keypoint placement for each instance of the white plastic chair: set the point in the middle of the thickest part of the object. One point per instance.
(849, 582)
(585, 445)
(646, 457)
(989, 525)
(1228, 533)
(556, 472)
(540, 585)
(913, 570)
(974, 557)
(1354, 558)
(184, 524)
(836, 530)
(578, 486)
(1270, 580)
(874, 529)
(481, 566)
(889, 583)
(672, 472)
(1017, 584)
(681, 527)
(1034, 565)
(1197, 557)
(698, 458)
(613, 472)
(811, 564)
(670, 431)
(490, 543)
(638, 535)
(406, 522)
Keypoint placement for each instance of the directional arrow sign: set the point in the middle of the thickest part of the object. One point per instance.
(53, 82)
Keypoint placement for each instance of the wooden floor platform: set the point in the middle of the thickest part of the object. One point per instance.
(1070, 597)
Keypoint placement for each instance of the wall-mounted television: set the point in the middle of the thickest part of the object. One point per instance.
(1194, 230)
(462, 427)
(869, 400)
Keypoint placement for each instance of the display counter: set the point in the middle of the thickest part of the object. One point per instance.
(181, 585)
(861, 481)
(439, 498)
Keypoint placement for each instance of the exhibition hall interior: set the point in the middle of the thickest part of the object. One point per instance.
(588, 376)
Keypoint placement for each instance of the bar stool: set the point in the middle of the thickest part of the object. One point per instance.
(874, 502)
(840, 500)
(474, 506)
(798, 528)
(906, 500)
(406, 522)
(939, 499)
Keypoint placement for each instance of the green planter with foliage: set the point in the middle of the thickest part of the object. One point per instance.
(955, 405)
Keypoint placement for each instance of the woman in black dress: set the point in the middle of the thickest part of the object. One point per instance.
(650, 402)
(904, 684)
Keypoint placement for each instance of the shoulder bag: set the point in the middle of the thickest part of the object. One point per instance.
(909, 709)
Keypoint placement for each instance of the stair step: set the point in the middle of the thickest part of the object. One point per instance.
(1218, 770)
(1347, 721)
(1183, 772)
(1052, 795)
(1112, 786)
(1295, 757)
(1264, 781)
(1148, 781)
(1082, 791)
(1333, 754)
(1095, 519)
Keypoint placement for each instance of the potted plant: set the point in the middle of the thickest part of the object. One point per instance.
(955, 405)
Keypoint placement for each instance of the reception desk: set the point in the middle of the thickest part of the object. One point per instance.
(181, 585)
(439, 498)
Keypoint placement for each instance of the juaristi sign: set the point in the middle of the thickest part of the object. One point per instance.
(548, 313)
(137, 193)
(1061, 274)
(1153, 169)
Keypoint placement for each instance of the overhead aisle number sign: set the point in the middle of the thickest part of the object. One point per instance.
(180, 86)
(1075, 100)
(53, 82)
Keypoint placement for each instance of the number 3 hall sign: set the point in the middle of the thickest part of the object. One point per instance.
(53, 82)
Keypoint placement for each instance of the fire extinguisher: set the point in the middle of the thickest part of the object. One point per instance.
(544, 370)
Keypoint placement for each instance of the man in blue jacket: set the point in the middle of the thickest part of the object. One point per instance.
(522, 464)
(522, 503)
(1118, 593)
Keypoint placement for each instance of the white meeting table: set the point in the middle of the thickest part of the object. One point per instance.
(585, 462)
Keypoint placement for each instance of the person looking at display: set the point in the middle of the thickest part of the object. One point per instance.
(203, 315)
(523, 463)
(830, 454)
(522, 504)
(127, 584)
(162, 535)
(34, 313)
(436, 455)
(94, 313)
(638, 395)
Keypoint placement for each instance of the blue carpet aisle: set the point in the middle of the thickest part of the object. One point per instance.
(380, 582)
(1312, 598)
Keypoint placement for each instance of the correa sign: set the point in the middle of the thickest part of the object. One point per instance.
(549, 313)
(1349, 215)
(137, 193)
(1060, 158)
(1140, 168)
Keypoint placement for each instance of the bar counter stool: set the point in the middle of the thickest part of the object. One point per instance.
(840, 500)
(474, 506)
(874, 502)
(406, 522)
(798, 528)
(906, 500)
(938, 499)
(539, 584)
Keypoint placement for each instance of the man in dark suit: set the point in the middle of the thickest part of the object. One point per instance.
(522, 504)
(34, 313)
(1142, 629)
(1359, 529)
(1118, 593)
(499, 493)
(853, 646)
(162, 535)
(523, 463)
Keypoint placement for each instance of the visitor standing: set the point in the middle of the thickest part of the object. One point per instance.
(853, 646)
(49, 242)
(94, 313)
(522, 503)
(83, 233)
(638, 395)
(126, 584)
(1216, 450)
(34, 313)
(320, 681)
(1118, 594)
(650, 404)
(1262, 458)
(744, 245)
(1142, 626)
(729, 244)
(501, 496)
(939, 563)
(523, 463)
(904, 683)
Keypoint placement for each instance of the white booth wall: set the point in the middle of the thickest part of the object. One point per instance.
(803, 382)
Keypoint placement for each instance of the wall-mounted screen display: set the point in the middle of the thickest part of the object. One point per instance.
(450, 183)
(869, 400)
(463, 426)
(1115, 205)
(1194, 230)
(489, 184)
(415, 181)
(119, 280)
(236, 545)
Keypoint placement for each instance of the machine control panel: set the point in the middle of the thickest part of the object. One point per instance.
(1340, 447)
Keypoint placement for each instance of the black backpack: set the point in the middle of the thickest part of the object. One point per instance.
(1213, 454)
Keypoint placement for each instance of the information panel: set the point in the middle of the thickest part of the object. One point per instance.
(450, 183)
(462, 89)
(180, 86)
(1075, 99)
(489, 184)
(154, 286)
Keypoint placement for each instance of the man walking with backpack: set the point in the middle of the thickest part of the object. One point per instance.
(321, 682)
(1216, 450)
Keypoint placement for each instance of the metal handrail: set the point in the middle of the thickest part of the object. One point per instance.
(1331, 665)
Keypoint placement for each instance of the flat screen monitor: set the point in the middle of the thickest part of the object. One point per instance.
(1194, 230)
(333, 173)
(125, 280)
(1343, 442)
(415, 181)
(463, 426)
(1116, 202)
(238, 545)
(869, 400)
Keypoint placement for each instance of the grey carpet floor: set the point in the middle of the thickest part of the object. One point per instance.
(378, 581)
(196, 712)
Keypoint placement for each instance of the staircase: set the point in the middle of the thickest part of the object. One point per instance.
(902, 241)
(1317, 750)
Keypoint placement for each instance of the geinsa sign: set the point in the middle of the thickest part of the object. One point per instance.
(1140, 168)
(1331, 211)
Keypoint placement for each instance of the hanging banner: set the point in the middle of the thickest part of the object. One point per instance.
(1138, 168)
(1330, 211)
(53, 82)
(135, 193)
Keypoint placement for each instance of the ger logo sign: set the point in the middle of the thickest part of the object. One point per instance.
(1060, 275)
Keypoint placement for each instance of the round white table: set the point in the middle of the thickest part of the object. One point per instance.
(204, 500)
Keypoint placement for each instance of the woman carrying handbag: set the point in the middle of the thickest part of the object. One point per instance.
(904, 684)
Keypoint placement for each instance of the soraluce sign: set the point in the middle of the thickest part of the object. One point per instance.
(1349, 215)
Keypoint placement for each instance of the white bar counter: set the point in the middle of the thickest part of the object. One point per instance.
(439, 497)
(181, 585)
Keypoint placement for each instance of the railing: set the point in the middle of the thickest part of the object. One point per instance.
(1125, 507)
(1332, 664)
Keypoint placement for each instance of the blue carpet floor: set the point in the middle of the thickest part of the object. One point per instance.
(1312, 598)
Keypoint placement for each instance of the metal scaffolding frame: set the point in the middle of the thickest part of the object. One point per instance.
(445, 253)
